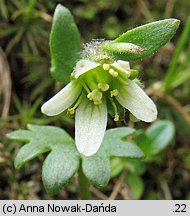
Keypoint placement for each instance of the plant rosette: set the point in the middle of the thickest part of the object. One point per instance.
(98, 80)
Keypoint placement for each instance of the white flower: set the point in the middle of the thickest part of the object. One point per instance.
(92, 85)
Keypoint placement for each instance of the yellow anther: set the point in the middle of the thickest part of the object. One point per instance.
(113, 72)
(90, 96)
(116, 118)
(96, 96)
(106, 66)
(71, 111)
(103, 86)
(114, 92)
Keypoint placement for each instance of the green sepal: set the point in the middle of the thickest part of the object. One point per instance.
(64, 44)
(145, 40)
(121, 48)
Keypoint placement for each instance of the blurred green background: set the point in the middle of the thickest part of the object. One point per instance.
(25, 83)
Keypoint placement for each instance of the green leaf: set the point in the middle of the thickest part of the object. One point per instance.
(174, 72)
(40, 139)
(156, 138)
(137, 167)
(149, 38)
(97, 169)
(20, 135)
(63, 161)
(59, 166)
(64, 44)
(116, 144)
(28, 152)
(117, 165)
(136, 185)
(180, 78)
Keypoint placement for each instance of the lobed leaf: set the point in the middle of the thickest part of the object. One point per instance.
(63, 160)
(20, 135)
(29, 152)
(61, 163)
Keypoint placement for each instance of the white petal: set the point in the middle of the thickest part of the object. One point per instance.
(90, 126)
(123, 66)
(84, 66)
(62, 100)
(133, 98)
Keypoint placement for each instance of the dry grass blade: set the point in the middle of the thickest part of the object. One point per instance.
(169, 8)
(144, 8)
(5, 85)
(98, 193)
(117, 188)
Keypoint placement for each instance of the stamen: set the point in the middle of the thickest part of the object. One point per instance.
(114, 92)
(71, 110)
(113, 72)
(116, 118)
(89, 96)
(96, 96)
(106, 66)
(103, 86)
(85, 86)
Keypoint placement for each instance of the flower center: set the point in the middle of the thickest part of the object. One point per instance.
(105, 81)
